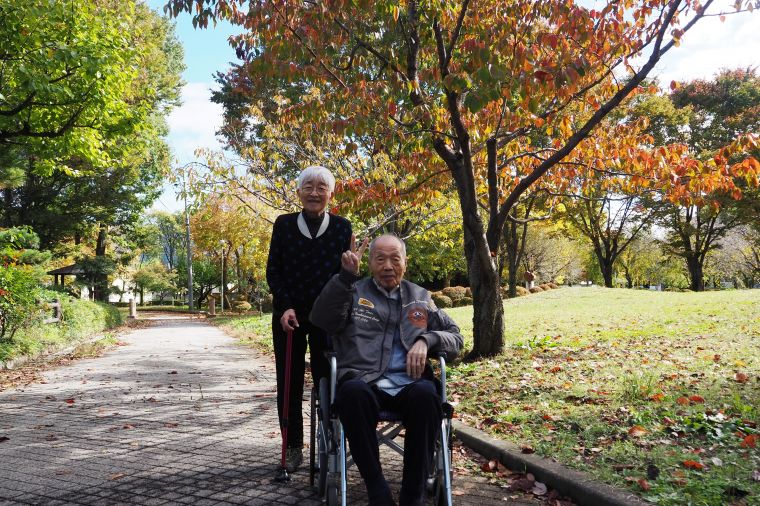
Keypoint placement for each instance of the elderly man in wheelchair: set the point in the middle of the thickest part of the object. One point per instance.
(383, 329)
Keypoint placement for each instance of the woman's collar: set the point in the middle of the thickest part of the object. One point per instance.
(304, 229)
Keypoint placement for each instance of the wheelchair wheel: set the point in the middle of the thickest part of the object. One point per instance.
(323, 434)
(436, 484)
(312, 437)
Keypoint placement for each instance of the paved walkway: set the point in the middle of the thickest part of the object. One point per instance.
(179, 415)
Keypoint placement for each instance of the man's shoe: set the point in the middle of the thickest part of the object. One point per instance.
(293, 458)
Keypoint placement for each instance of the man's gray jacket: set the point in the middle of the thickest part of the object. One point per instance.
(356, 314)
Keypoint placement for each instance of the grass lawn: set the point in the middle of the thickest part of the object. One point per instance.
(657, 392)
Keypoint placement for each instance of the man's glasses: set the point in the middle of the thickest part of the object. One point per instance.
(321, 190)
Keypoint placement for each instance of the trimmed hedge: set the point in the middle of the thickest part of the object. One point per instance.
(81, 319)
(441, 300)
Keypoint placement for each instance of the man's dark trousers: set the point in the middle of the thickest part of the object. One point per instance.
(319, 369)
(419, 405)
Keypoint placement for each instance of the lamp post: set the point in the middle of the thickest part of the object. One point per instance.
(222, 243)
(190, 297)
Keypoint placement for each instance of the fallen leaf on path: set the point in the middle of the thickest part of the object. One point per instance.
(457, 492)
(489, 467)
(539, 488)
(4, 439)
(171, 425)
(69, 401)
(523, 484)
(116, 476)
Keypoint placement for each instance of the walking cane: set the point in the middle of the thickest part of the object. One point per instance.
(282, 474)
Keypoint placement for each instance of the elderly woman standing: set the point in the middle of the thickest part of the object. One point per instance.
(305, 252)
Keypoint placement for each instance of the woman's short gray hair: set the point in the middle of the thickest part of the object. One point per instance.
(318, 174)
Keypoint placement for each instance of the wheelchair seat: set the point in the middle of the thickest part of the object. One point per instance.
(330, 458)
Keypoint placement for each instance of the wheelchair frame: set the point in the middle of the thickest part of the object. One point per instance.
(330, 459)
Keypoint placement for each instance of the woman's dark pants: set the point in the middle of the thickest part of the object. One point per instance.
(319, 368)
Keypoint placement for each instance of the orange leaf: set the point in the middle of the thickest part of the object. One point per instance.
(749, 441)
(693, 464)
(682, 401)
(637, 431)
(697, 399)
(556, 368)
(644, 484)
(69, 401)
(740, 377)
(657, 397)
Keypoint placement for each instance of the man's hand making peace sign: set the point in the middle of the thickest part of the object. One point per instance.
(351, 260)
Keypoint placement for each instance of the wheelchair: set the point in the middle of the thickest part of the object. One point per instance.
(329, 457)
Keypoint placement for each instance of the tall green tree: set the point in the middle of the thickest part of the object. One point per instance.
(84, 97)
(705, 116)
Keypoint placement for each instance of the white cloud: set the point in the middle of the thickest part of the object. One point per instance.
(710, 46)
(194, 124)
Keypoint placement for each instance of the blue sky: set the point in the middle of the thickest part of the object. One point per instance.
(710, 46)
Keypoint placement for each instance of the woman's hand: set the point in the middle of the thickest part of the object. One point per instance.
(288, 320)
(352, 259)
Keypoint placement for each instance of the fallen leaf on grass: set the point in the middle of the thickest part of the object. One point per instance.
(644, 484)
(740, 377)
(693, 464)
(749, 441)
(682, 401)
(697, 399)
(637, 431)
(657, 397)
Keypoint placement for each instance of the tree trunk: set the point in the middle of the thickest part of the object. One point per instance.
(488, 314)
(512, 246)
(100, 283)
(606, 266)
(696, 273)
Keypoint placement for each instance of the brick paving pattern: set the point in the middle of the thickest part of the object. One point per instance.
(179, 415)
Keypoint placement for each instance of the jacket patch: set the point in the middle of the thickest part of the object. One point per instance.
(365, 302)
(418, 317)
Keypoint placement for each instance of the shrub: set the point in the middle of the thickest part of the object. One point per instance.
(455, 293)
(79, 319)
(465, 301)
(242, 306)
(19, 293)
(536, 289)
(468, 292)
(521, 291)
(441, 300)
